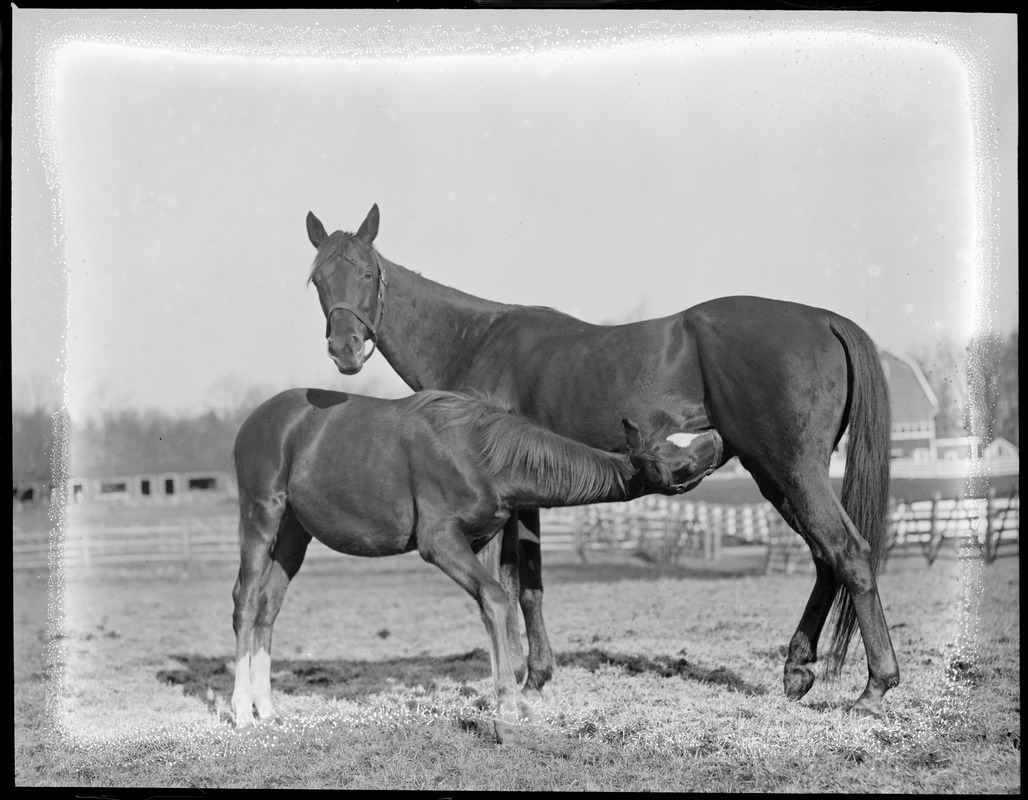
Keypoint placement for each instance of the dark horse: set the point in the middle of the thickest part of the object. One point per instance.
(779, 382)
(439, 472)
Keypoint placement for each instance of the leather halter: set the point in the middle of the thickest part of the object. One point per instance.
(372, 328)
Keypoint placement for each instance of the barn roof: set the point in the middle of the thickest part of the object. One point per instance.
(912, 399)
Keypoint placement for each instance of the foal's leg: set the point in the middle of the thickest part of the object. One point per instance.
(500, 555)
(821, 514)
(530, 579)
(448, 548)
(286, 558)
(258, 524)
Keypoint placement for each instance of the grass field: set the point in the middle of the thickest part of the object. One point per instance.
(667, 681)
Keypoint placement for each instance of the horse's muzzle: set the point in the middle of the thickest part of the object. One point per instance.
(349, 358)
(695, 460)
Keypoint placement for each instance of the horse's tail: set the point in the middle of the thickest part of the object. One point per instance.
(865, 484)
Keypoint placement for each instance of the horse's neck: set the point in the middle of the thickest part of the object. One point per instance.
(578, 479)
(424, 324)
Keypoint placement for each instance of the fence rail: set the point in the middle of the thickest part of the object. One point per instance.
(663, 529)
(990, 524)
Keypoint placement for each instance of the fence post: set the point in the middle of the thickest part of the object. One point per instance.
(934, 518)
(715, 521)
(579, 521)
(85, 547)
(990, 499)
(185, 541)
(990, 549)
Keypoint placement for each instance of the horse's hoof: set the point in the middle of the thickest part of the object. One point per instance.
(537, 679)
(798, 680)
(242, 710)
(507, 733)
(532, 695)
(866, 708)
(525, 711)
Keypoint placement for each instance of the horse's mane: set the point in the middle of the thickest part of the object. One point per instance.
(553, 463)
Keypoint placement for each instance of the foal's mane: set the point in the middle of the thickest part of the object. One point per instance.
(555, 464)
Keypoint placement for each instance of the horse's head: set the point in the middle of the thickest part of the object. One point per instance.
(347, 273)
(674, 464)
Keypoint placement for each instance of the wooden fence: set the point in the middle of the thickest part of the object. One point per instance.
(660, 528)
(989, 524)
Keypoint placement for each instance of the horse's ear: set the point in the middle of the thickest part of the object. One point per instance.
(315, 230)
(369, 228)
(632, 435)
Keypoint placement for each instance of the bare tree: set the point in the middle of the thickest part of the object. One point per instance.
(944, 364)
(992, 381)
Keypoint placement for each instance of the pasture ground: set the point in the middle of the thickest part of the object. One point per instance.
(667, 681)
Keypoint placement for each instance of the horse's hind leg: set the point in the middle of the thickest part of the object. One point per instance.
(448, 548)
(258, 523)
(803, 646)
(847, 554)
(286, 558)
(530, 580)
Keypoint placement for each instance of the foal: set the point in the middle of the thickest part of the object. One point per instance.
(439, 472)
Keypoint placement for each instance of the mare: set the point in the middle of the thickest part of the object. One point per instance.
(438, 471)
(776, 383)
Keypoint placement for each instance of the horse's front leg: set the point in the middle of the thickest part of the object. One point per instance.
(500, 555)
(447, 547)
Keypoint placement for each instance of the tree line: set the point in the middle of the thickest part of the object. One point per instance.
(984, 373)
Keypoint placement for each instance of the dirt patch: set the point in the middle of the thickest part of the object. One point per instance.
(664, 666)
(197, 674)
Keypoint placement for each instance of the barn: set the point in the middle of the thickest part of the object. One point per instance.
(159, 478)
(1001, 448)
(913, 408)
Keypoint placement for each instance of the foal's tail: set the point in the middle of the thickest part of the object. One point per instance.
(865, 484)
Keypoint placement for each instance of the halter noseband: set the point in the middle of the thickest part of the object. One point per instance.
(379, 309)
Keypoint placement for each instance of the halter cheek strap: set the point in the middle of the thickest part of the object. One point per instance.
(372, 327)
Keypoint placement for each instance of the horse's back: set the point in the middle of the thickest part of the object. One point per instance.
(271, 421)
(295, 425)
(783, 325)
(760, 345)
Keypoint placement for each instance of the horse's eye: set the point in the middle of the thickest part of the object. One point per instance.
(367, 275)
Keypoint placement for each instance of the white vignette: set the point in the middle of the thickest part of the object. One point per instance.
(336, 42)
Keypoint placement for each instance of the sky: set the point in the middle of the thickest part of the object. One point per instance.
(613, 165)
